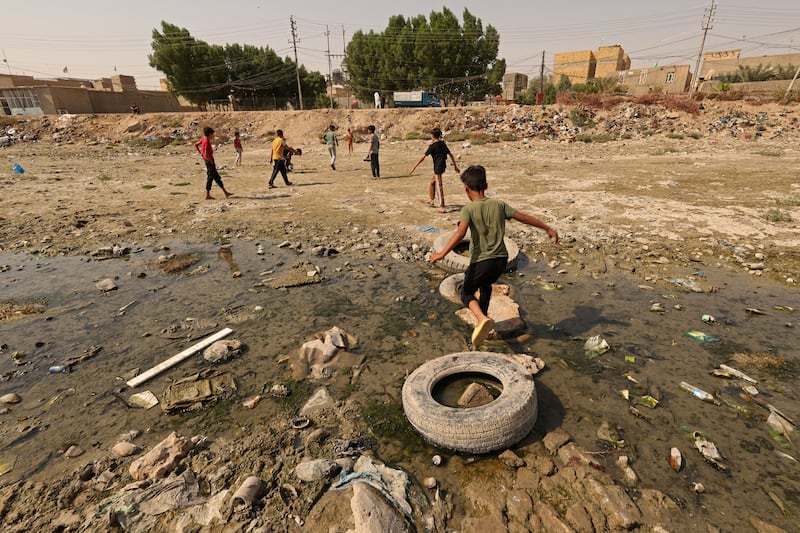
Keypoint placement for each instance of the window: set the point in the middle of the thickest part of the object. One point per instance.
(642, 77)
(22, 101)
(670, 77)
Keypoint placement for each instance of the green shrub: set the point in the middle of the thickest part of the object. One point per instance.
(456, 136)
(792, 201)
(696, 135)
(415, 135)
(508, 136)
(769, 153)
(672, 135)
(777, 215)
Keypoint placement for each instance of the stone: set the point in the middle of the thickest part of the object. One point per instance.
(511, 460)
(505, 313)
(550, 519)
(474, 395)
(555, 440)
(106, 285)
(162, 458)
(570, 455)
(315, 469)
(11, 397)
(544, 466)
(519, 505)
(372, 513)
(124, 449)
(526, 479)
(577, 517)
(222, 350)
(621, 512)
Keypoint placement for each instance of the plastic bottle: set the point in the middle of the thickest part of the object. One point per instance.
(700, 394)
(58, 369)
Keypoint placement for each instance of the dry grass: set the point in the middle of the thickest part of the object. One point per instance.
(769, 363)
(10, 310)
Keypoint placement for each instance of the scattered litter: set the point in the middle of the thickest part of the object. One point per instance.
(700, 394)
(175, 359)
(709, 451)
(675, 459)
(737, 373)
(595, 346)
(144, 399)
(648, 401)
(701, 337)
(708, 319)
(17, 168)
(197, 390)
(427, 229)
(755, 311)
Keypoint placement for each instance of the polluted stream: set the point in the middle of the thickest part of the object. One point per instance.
(400, 320)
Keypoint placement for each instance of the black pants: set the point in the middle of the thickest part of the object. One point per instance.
(279, 166)
(480, 276)
(375, 165)
(212, 176)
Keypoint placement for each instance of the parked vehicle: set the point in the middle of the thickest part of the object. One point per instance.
(416, 99)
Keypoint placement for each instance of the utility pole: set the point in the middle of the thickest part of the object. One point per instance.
(330, 71)
(707, 21)
(541, 80)
(346, 72)
(296, 64)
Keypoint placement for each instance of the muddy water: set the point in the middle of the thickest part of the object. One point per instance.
(400, 321)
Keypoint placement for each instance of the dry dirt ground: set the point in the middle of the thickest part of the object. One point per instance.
(672, 188)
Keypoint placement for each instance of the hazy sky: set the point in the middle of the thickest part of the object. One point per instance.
(92, 37)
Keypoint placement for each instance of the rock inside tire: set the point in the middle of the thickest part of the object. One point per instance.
(483, 429)
(458, 262)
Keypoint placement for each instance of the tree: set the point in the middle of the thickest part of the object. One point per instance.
(202, 73)
(459, 61)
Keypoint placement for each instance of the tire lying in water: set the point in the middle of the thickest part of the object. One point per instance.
(457, 262)
(493, 426)
(450, 288)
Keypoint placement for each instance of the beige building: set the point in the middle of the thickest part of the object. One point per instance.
(26, 95)
(673, 79)
(719, 63)
(578, 66)
(514, 84)
(584, 65)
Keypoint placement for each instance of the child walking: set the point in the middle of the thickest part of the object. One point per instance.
(486, 220)
(332, 142)
(237, 145)
(438, 151)
(349, 138)
(206, 150)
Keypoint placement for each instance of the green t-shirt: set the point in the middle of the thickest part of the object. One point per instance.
(487, 226)
(330, 138)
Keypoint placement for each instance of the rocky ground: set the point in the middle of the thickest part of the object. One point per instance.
(639, 190)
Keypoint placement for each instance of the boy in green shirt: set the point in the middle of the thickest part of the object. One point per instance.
(486, 220)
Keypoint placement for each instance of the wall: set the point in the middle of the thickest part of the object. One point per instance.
(716, 67)
(647, 80)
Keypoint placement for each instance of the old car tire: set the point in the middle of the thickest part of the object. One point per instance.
(450, 288)
(456, 262)
(486, 428)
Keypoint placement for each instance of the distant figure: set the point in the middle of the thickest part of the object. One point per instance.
(349, 138)
(237, 145)
(279, 148)
(135, 109)
(332, 142)
(485, 218)
(383, 102)
(206, 151)
(377, 100)
(438, 151)
(374, 145)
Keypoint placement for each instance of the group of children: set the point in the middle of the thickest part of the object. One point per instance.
(484, 217)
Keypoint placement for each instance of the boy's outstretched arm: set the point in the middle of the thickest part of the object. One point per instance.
(453, 159)
(421, 159)
(533, 221)
(458, 236)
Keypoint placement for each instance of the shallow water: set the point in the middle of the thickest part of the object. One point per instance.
(401, 321)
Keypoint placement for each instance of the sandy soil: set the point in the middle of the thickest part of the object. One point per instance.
(649, 202)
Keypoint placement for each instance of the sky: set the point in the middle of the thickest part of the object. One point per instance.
(93, 39)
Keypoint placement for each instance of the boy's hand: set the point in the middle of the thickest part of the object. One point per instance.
(553, 235)
(438, 256)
